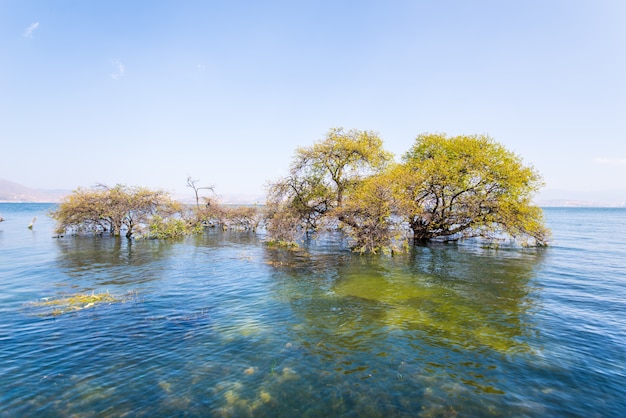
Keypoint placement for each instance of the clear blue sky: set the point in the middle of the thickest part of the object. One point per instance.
(150, 92)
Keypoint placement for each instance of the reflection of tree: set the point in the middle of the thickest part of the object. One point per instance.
(106, 261)
(484, 297)
(439, 306)
(216, 238)
(465, 298)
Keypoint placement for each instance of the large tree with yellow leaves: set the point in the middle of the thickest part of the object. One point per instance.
(445, 188)
(467, 186)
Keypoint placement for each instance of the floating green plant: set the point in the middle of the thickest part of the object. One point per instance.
(75, 302)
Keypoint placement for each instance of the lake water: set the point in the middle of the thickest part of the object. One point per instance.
(221, 325)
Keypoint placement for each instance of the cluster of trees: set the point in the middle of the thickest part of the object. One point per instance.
(443, 188)
(138, 211)
(212, 213)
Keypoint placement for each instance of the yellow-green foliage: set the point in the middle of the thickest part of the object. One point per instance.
(445, 188)
(319, 180)
(468, 186)
(340, 160)
(368, 217)
(237, 217)
(112, 209)
(76, 302)
(160, 228)
(283, 244)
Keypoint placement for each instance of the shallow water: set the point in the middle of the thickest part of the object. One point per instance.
(221, 325)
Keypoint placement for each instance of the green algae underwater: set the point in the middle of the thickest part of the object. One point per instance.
(223, 325)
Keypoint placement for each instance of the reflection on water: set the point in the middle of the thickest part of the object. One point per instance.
(222, 325)
(434, 321)
(111, 261)
(79, 254)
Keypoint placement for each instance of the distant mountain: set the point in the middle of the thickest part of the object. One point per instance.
(13, 192)
(568, 203)
(570, 198)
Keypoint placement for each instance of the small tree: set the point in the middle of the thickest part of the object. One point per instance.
(319, 180)
(215, 214)
(113, 209)
(84, 211)
(369, 217)
(243, 218)
(283, 222)
(192, 183)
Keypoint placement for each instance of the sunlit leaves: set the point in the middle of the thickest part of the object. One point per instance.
(445, 188)
(468, 186)
(319, 179)
(368, 216)
(113, 209)
(341, 160)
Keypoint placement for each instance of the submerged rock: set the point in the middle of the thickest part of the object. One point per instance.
(265, 396)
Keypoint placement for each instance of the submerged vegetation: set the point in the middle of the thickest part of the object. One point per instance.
(444, 188)
(139, 212)
(75, 302)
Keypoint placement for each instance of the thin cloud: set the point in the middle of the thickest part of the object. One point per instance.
(609, 161)
(120, 70)
(28, 33)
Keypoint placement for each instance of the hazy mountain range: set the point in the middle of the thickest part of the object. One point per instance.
(14, 192)
(569, 198)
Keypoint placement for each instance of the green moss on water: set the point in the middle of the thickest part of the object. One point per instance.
(72, 303)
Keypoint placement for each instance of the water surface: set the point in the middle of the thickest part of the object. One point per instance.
(222, 325)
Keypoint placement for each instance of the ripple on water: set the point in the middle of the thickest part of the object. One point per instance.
(221, 325)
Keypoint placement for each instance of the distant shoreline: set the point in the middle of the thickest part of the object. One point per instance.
(11, 192)
(578, 204)
(543, 205)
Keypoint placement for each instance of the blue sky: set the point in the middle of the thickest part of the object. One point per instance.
(150, 92)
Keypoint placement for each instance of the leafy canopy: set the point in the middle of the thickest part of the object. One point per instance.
(113, 209)
(444, 188)
(468, 186)
(319, 179)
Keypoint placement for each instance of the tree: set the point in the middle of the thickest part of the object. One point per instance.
(338, 163)
(467, 186)
(192, 183)
(319, 179)
(239, 217)
(83, 211)
(445, 188)
(369, 216)
(242, 218)
(113, 209)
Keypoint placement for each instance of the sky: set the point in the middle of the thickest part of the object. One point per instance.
(148, 93)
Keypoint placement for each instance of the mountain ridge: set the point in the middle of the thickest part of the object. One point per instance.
(14, 192)
(18, 193)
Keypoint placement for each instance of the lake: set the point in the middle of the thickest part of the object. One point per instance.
(222, 325)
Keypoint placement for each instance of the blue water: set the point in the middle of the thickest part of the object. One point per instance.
(222, 325)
